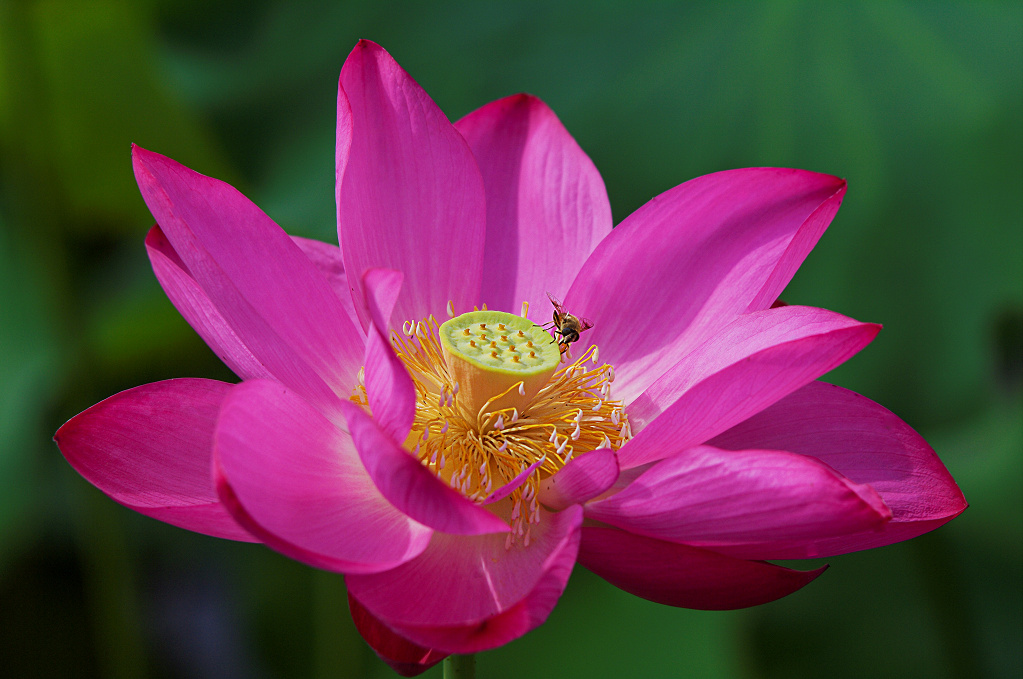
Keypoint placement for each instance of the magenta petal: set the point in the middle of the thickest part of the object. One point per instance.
(327, 260)
(744, 503)
(411, 197)
(799, 247)
(149, 449)
(411, 487)
(680, 575)
(584, 477)
(705, 250)
(508, 488)
(389, 387)
(547, 208)
(267, 291)
(756, 360)
(868, 444)
(196, 308)
(466, 580)
(524, 616)
(295, 480)
(404, 657)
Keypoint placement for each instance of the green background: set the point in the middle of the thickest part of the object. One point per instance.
(918, 105)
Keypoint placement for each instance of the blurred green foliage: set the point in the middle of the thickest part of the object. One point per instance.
(918, 105)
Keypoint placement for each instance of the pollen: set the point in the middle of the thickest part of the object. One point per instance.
(486, 414)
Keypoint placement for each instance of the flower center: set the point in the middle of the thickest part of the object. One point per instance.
(494, 401)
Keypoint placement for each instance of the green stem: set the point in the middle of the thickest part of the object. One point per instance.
(460, 667)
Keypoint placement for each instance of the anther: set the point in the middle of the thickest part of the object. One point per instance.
(451, 309)
(407, 327)
(525, 309)
(444, 429)
(596, 352)
(426, 434)
(522, 385)
(504, 447)
(576, 433)
(454, 389)
(362, 376)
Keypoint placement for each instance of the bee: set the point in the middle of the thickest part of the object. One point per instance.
(566, 326)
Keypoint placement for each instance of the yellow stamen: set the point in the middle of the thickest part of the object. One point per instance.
(477, 438)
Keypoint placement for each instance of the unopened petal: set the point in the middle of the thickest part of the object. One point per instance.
(149, 448)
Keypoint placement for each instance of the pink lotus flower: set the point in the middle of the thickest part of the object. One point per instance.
(457, 495)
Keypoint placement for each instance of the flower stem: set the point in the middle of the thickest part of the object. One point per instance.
(460, 667)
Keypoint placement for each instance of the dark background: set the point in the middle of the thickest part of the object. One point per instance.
(918, 105)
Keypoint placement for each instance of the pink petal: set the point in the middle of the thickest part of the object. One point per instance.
(799, 247)
(547, 208)
(404, 657)
(866, 443)
(268, 293)
(743, 503)
(509, 488)
(196, 308)
(411, 197)
(149, 449)
(754, 361)
(295, 480)
(680, 575)
(327, 260)
(524, 616)
(411, 487)
(389, 387)
(689, 261)
(466, 580)
(583, 478)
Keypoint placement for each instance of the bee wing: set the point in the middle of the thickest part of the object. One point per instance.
(587, 324)
(556, 302)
